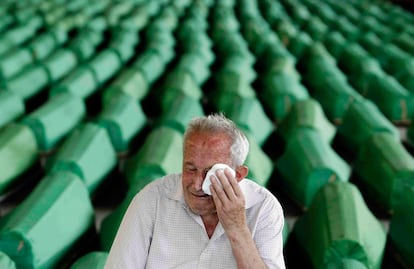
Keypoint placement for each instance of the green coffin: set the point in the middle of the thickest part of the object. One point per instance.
(130, 82)
(401, 230)
(55, 119)
(60, 64)
(228, 85)
(45, 44)
(195, 65)
(405, 74)
(11, 107)
(232, 44)
(394, 101)
(393, 59)
(405, 41)
(354, 57)
(300, 14)
(299, 44)
(286, 232)
(92, 260)
(6, 19)
(6, 262)
(42, 229)
(151, 66)
(81, 82)
(180, 111)
(249, 115)
(123, 118)
(335, 42)
(179, 82)
(350, 30)
(161, 153)
(372, 44)
(21, 33)
(309, 163)
(123, 47)
(382, 164)
(280, 61)
(286, 29)
(105, 65)
(260, 165)
(259, 36)
(346, 264)
(335, 98)
(316, 28)
(321, 68)
(200, 44)
(224, 22)
(137, 19)
(84, 45)
(88, 153)
(192, 29)
(306, 114)
(13, 62)
(165, 21)
(410, 134)
(161, 42)
(18, 152)
(280, 92)
(339, 230)
(362, 120)
(236, 65)
(29, 81)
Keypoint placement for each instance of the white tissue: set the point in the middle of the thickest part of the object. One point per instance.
(212, 171)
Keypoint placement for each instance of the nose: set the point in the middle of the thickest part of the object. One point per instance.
(199, 179)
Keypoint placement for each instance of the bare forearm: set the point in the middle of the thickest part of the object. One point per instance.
(245, 251)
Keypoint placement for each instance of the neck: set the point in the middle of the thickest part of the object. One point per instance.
(210, 223)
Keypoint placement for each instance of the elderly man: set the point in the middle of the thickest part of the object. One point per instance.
(174, 223)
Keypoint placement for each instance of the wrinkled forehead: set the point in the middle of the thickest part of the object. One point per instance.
(204, 149)
(211, 141)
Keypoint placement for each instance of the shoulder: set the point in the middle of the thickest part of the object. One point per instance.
(257, 195)
(263, 207)
(161, 187)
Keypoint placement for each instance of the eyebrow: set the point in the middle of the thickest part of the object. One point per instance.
(192, 165)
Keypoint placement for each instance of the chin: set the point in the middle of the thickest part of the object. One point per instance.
(202, 205)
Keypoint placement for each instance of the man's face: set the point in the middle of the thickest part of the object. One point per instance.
(201, 152)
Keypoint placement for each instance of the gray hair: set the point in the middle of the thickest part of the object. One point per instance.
(218, 123)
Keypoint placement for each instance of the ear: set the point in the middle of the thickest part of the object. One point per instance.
(241, 172)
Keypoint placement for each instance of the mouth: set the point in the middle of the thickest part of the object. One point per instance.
(202, 195)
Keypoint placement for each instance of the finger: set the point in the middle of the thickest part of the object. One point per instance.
(233, 182)
(215, 185)
(227, 186)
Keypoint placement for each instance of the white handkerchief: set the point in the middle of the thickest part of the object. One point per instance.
(212, 171)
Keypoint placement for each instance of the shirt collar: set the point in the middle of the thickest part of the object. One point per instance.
(177, 191)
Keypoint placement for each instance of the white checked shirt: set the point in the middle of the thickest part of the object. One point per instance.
(159, 231)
